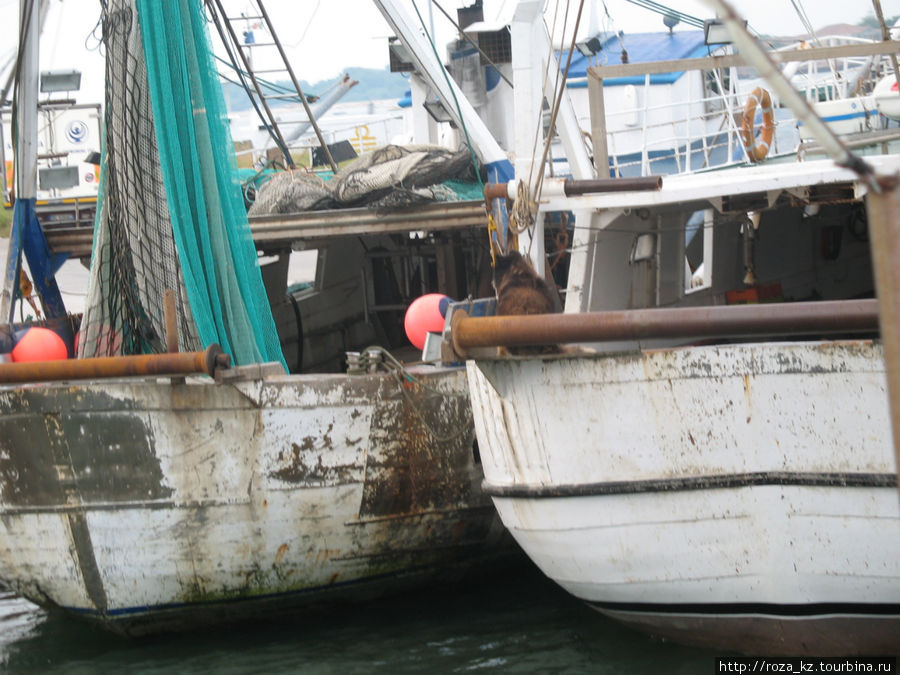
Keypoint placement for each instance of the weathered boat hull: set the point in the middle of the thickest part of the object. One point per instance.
(739, 497)
(154, 504)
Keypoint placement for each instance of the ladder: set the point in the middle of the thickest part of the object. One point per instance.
(239, 50)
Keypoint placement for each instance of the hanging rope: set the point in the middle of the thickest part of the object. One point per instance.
(455, 100)
(523, 210)
(556, 105)
(539, 123)
(375, 357)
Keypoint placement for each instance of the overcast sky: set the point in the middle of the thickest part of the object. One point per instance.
(323, 37)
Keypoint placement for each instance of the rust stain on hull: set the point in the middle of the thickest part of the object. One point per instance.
(197, 488)
(421, 456)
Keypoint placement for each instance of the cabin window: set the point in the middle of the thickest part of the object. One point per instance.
(642, 248)
(698, 251)
(302, 267)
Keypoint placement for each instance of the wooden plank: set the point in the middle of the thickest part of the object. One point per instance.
(729, 60)
(598, 125)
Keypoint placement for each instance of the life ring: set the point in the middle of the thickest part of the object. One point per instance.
(757, 151)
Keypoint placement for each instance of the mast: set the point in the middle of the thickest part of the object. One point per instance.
(26, 100)
(26, 234)
(422, 53)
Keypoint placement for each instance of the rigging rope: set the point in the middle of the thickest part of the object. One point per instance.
(242, 76)
(612, 24)
(375, 356)
(274, 87)
(557, 103)
(453, 93)
(472, 42)
(548, 62)
(668, 11)
(807, 24)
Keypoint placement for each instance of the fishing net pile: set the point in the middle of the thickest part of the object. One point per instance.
(392, 176)
(171, 212)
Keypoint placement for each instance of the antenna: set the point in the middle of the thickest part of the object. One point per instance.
(671, 21)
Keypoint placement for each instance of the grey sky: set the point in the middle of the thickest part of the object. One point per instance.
(326, 36)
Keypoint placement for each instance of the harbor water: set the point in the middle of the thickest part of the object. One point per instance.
(518, 622)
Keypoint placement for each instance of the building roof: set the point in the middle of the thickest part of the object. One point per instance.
(641, 48)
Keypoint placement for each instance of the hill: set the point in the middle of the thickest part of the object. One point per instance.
(374, 85)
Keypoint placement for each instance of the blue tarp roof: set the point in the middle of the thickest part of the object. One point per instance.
(641, 48)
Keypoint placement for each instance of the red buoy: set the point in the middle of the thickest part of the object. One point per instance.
(39, 344)
(424, 315)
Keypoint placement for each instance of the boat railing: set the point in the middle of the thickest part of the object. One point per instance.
(830, 78)
(363, 134)
(673, 134)
(678, 136)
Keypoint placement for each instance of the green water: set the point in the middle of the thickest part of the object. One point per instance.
(513, 623)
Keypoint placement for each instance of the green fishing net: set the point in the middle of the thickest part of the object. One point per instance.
(203, 190)
(172, 214)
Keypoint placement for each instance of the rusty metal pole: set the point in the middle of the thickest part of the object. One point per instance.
(572, 186)
(496, 191)
(886, 36)
(884, 233)
(171, 317)
(797, 318)
(205, 362)
(597, 185)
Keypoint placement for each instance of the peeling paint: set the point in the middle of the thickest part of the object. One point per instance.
(297, 467)
(420, 456)
(696, 421)
(113, 458)
(196, 496)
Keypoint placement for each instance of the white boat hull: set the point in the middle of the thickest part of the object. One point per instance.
(150, 504)
(887, 98)
(738, 497)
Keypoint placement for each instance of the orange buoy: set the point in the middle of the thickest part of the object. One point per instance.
(39, 344)
(425, 315)
(757, 151)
